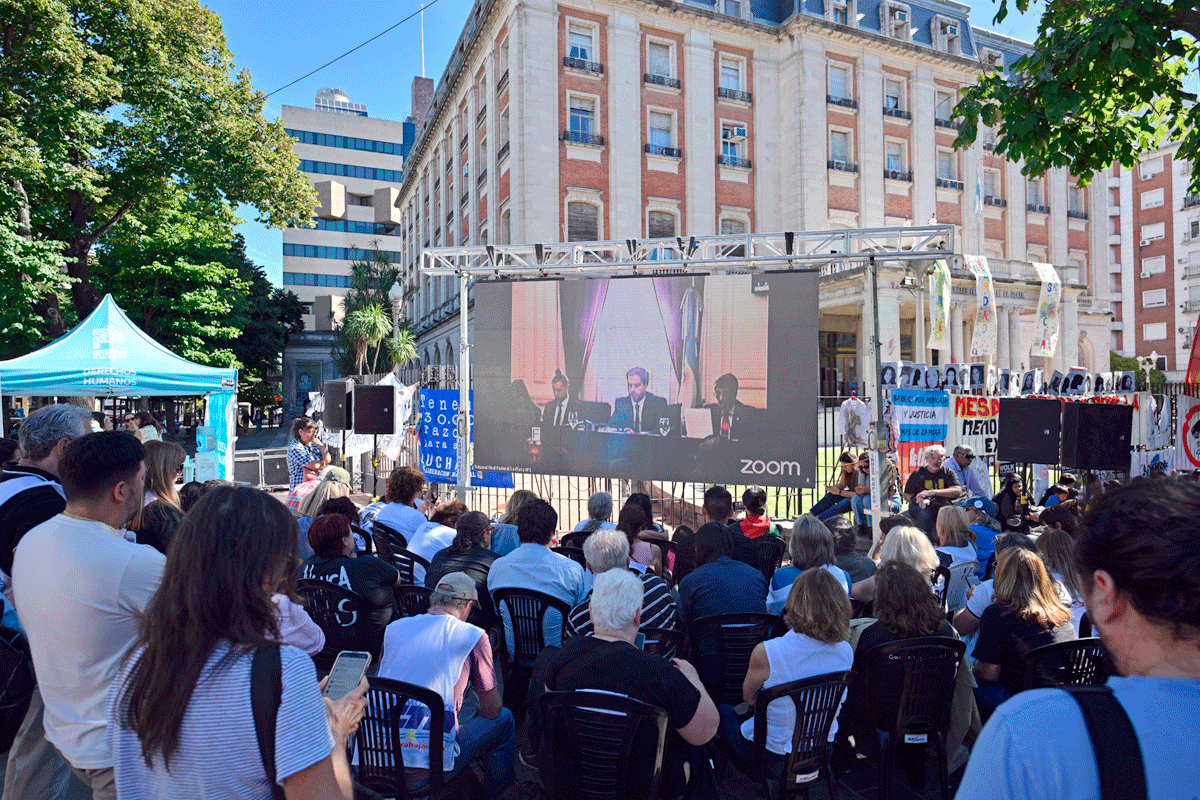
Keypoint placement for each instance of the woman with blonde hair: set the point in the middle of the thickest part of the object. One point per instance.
(1057, 549)
(161, 511)
(908, 545)
(504, 534)
(1026, 613)
(310, 508)
(956, 540)
(817, 614)
(810, 545)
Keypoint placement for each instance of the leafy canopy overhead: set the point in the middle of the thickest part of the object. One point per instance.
(1107, 81)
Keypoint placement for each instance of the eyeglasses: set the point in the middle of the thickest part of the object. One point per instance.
(179, 470)
(970, 456)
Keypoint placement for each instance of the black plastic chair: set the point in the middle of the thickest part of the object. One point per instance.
(1085, 626)
(575, 539)
(768, 555)
(343, 617)
(405, 562)
(366, 536)
(735, 636)
(1081, 662)
(662, 642)
(930, 672)
(526, 611)
(380, 760)
(386, 537)
(412, 600)
(573, 553)
(816, 700)
(589, 741)
(956, 587)
(667, 547)
(941, 583)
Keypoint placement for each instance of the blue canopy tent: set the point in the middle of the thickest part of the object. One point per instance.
(106, 355)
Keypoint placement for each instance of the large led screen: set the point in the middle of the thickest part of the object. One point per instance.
(709, 379)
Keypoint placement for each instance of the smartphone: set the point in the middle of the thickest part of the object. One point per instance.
(347, 671)
(640, 641)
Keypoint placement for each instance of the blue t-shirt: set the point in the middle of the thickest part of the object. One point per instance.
(985, 545)
(1036, 746)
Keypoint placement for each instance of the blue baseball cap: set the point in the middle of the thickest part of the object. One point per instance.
(980, 504)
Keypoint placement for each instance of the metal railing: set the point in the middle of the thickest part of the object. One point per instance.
(844, 102)
(898, 113)
(502, 152)
(842, 166)
(661, 80)
(581, 64)
(733, 161)
(663, 150)
(1037, 208)
(946, 123)
(949, 183)
(481, 116)
(578, 137)
(992, 200)
(726, 93)
(500, 84)
(898, 175)
(1077, 214)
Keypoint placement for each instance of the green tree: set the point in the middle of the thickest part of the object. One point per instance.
(108, 107)
(1120, 363)
(28, 271)
(1105, 83)
(371, 279)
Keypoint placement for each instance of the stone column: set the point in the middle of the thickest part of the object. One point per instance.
(957, 351)
(1018, 353)
(1003, 356)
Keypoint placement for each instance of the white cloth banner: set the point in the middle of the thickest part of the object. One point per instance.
(1148, 463)
(1049, 306)
(939, 307)
(983, 339)
(1187, 433)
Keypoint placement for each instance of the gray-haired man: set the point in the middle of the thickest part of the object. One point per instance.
(30, 494)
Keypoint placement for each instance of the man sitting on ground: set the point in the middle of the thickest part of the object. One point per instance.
(1139, 567)
(441, 651)
(609, 661)
(605, 550)
(534, 566)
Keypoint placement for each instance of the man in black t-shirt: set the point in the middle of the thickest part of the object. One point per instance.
(929, 488)
(609, 661)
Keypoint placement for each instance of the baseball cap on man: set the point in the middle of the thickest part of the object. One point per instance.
(458, 585)
(981, 504)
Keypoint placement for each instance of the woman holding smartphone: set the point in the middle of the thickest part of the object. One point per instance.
(183, 692)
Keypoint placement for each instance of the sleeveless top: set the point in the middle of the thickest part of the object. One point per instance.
(795, 656)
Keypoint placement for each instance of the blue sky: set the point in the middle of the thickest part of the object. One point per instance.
(280, 40)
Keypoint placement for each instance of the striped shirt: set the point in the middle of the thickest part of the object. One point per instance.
(218, 714)
(658, 608)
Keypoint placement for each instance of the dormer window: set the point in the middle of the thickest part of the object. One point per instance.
(842, 12)
(895, 20)
(993, 59)
(944, 33)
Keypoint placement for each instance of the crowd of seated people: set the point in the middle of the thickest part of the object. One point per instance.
(162, 648)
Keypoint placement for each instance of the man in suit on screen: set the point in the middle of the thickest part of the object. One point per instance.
(731, 418)
(557, 412)
(639, 411)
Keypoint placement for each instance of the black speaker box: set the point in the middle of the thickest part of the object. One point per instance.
(1096, 436)
(374, 409)
(275, 470)
(338, 412)
(1029, 430)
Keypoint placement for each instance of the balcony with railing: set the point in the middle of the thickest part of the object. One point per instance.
(1037, 208)
(579, 137)
(465, 196)
(663, 150)
(661, 80)
(726, 93)
(1191, 200)
(482, 179)
(500, 84)
(946, 123)
(449, 217)
(992, 200)
(1191, 306)
(844, 102)
(1077, 214)
(1191, 271)
(462, 144)
(842, 166)
(949, 183)
(481, 116)
(898, 175)
(733, 161)
(502, 152)
(583, 65)
(898, 113)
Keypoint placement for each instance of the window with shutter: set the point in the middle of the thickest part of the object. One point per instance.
(661, 224)
(660, 129)
(989, 183)
(583, 222)
(839, 146)
(1033, 191)
(945, 102)
(892, 93)
(731, 74)
(580, 37)
(733, 227)
(945, 165)
(838, 82)
(895, 157)
(660, 59)
(582, 111)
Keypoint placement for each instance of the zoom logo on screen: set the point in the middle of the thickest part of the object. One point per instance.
(759, 467)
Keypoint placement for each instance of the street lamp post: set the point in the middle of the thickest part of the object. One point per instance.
(396, 295)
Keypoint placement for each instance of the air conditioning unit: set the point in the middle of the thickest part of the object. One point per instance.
(1145, 242)
(1183, 330)
(734, 134)
(1145, 274)
(900, 16)
(952, 30)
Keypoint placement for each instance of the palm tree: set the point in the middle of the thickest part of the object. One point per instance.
(402, 347)
(366, 328)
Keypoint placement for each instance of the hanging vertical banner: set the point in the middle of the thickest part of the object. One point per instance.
(939, 306)
(983, 339)
(1049, 305)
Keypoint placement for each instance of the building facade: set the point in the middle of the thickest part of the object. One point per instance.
(355, 163)
(1154, 260)
(617, 119)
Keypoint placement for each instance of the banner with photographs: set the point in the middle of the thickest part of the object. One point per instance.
(939, 306)
(983, 339)
(1045, 340)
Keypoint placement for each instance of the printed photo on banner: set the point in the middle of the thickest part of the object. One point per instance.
(889, 374)
(953, 378)
(978, 376)
(933, 377)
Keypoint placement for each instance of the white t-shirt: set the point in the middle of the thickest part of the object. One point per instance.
(959, 554)
(1076, 604)
(606, 525)
(428, 541)
(80, 589)
(218, 756)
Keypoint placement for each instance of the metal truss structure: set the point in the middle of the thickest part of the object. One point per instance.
(828, 251)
